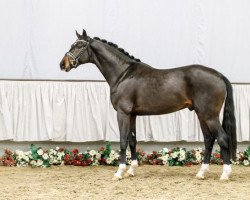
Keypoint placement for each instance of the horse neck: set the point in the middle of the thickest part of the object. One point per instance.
(109, 60)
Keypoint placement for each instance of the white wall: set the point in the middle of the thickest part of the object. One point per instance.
(35, 34)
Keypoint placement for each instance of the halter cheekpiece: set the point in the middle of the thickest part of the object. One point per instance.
(76, 57)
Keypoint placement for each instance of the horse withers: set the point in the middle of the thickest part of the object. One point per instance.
(139, 89)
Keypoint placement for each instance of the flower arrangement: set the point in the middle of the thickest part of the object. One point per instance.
(194, 157)
(38, 157)
(246, 157)
(216, 158)
(175, 157)
(8, 159)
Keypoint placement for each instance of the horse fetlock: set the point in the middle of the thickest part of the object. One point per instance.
(120, 172)
(227, 170)
(134, 163)
(133, 166)
(201, 174)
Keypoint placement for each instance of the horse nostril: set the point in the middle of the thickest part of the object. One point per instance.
(62, 65)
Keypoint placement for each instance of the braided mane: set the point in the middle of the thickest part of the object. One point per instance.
(116, 47)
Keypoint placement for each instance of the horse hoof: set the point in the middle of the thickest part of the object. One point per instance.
(224, 177)
(200, 176)
(117, 177)
(130, 173)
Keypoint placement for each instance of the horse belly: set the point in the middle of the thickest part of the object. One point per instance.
(158, 106)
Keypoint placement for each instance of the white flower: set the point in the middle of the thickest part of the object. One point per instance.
(246, 162)
(40, 152)
(165, 158)
(117, 155)
(92, 153)
(165, 150)
(39, 162)
(182, 157)
(111, 156)
(33, 163)
(55, 161)
(164, 162)
(45, 156)
(182, 152)
(112, 152)
(108, 161)
(26, 158)
(57, 148)
(175, 154)
(59, 155)
(198, 156)
(20, 154)
(96, 163)
(98, 156)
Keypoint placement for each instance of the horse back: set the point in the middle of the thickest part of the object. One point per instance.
(147, 91)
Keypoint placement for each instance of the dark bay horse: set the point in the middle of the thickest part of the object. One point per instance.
(139, 89)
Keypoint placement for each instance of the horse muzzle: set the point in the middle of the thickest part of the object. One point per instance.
(66, 64)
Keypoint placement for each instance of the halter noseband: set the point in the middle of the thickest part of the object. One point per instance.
(75, 58)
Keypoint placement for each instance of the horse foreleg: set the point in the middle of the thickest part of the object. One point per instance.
(132, 145)
(124, 125)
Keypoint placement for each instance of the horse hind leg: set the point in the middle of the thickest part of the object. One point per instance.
(209, 139)
(223, 140)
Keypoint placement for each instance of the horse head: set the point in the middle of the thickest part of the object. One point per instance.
(78, 54)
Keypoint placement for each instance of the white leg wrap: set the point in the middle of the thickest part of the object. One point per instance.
(120, 172)
(227, 170)
(133, 166)
(204, 168)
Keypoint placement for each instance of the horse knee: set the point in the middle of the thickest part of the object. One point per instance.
(123, 145)
(223, 141)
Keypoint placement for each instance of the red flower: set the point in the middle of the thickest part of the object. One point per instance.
(149, 156)
(102, 149)
(217, 155)
(154, 153)
(76, 162)
(79, 157)
(75, 151)
(8, 152)
(84, 163)
(189, 164)
(155, 162)
(67, 157)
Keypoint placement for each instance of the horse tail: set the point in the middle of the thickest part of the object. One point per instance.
(229, 123)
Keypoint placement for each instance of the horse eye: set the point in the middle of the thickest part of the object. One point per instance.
(79, 44)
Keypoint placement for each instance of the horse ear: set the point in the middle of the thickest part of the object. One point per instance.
(78, 35)
(84, 34)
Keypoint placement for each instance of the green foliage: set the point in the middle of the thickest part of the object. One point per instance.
(107, 149)
(34, 152)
